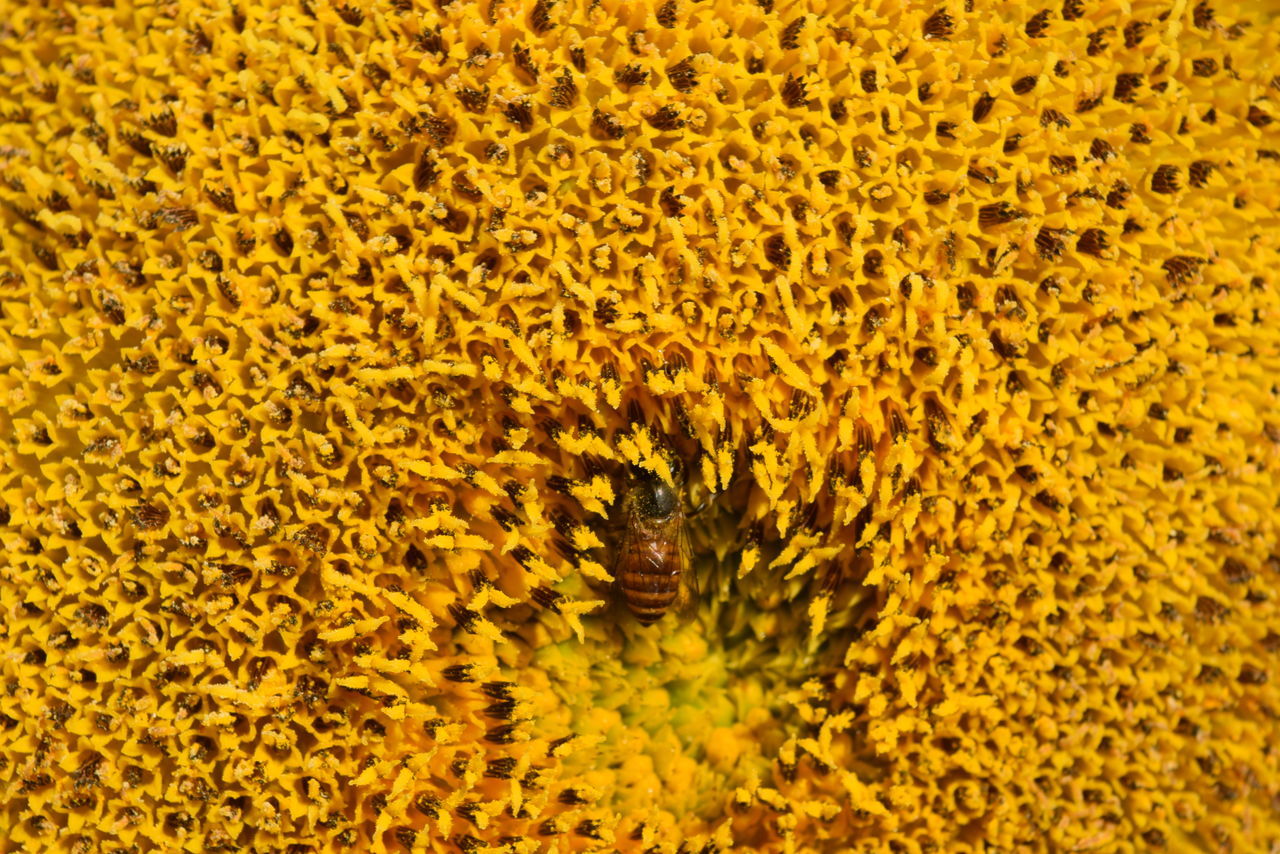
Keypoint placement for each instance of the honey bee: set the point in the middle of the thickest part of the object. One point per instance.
(651, 567)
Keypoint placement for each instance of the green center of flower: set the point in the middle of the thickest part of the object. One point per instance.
(683, 713)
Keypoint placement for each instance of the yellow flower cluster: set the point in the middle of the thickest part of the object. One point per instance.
(327, 330)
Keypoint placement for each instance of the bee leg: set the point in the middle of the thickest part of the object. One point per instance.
(710, 496)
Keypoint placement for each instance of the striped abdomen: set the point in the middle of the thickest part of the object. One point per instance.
(648, 572)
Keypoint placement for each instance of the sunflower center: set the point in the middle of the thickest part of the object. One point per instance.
(685, 712)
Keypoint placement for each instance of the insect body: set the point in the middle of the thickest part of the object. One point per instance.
(651, 568)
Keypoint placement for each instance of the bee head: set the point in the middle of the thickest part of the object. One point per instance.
(653, 496)
(657, 499)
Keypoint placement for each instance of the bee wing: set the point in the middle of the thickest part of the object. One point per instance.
(621, 536)
(618, 545)
(688, 598)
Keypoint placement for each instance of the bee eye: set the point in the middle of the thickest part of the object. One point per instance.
(662, 500)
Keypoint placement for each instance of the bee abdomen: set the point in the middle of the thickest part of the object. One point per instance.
(649, 594)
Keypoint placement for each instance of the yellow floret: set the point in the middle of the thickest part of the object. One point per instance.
(329, 333)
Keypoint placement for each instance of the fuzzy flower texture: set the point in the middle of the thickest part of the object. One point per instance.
(331, 335)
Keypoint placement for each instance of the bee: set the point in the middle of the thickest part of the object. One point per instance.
(651, 567)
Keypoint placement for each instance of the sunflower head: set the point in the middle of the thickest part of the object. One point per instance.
(334, 335)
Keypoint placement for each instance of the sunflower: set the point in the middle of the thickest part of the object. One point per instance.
(334, 335)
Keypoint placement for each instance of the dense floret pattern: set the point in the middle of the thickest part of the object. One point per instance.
(327, 331)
